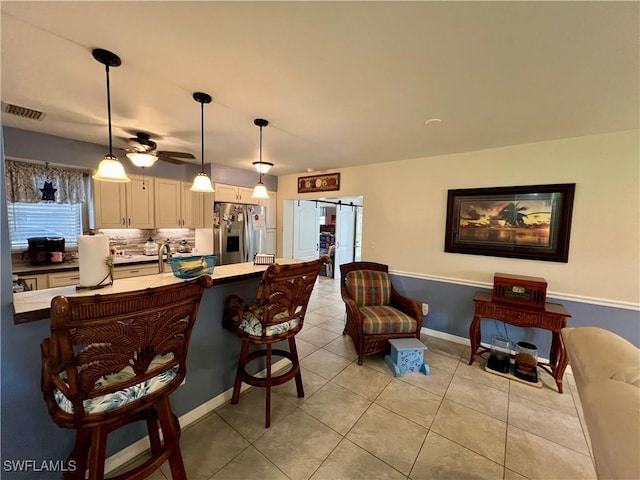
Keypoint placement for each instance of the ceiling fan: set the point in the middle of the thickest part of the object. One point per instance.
(143, 152)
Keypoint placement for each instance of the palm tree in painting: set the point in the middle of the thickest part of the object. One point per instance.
(512, 214)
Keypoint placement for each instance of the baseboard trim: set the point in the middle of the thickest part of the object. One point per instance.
(127, 454)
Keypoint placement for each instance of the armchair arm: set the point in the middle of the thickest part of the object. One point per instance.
(407, 305)
(353, 312)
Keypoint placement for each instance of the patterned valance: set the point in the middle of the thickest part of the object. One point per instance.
(24, 182)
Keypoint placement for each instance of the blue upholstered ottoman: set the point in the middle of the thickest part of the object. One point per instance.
(407, 355)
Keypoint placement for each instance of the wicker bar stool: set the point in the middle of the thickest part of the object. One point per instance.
(116, 358)
(276, 315)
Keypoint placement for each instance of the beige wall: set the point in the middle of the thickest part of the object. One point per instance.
(405, 208)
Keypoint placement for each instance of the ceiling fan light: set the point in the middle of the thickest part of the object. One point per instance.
(111, 170)
(262, 167)
(260, 191)
(143, 160)
(202, 183)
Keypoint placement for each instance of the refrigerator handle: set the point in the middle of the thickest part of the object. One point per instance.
(247, 237)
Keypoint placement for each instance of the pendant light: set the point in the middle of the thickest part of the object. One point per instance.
(109, 169)
(142, 160)
(260, 191)
(202, 183)
(262, 167)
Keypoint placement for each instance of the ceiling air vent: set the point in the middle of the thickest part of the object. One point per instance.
(23, 112)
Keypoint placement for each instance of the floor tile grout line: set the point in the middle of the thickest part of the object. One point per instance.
(298, 408)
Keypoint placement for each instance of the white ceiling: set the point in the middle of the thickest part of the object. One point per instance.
(341, 83)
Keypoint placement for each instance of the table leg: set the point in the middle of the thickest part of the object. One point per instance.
(474, 337)
(560, 357)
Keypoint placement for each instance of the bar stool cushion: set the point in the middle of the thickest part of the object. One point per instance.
(122, 397)
(384, 319)
(252, 325)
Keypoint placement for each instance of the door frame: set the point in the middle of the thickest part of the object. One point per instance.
(288, 224)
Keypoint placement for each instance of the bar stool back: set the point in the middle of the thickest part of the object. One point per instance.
(116, 358)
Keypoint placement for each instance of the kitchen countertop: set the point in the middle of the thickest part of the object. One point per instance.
(36, 305)
(24, 268)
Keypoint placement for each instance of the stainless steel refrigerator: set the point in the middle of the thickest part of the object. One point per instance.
(239, 232)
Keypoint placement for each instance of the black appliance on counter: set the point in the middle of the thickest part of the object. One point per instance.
(40, 249)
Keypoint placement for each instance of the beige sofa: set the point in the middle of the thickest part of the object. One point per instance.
(606, 368)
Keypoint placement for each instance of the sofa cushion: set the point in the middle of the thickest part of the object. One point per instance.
(369, 287)
(630, 375)
(383, 319)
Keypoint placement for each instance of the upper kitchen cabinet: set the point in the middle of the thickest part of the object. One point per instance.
(176, 205)
(233, 194)
(271, 205)
(124, 205)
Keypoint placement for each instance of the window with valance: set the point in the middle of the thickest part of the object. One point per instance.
(25, 180)
(30, 216)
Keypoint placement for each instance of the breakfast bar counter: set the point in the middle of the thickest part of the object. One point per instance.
(35, 305)
(211, 362)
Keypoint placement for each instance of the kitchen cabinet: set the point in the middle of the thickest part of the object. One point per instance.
(176, 206)
(63, 279)
(124, 205)
(35, 282)
(128, 271)
(271, 205)
(271, 241)
(209, 199)
(233, 194)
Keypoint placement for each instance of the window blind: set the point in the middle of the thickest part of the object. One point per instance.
(44, 220)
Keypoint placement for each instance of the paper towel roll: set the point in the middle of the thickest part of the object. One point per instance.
(92, 252)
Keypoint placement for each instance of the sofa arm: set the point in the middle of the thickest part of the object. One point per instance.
(606, 368)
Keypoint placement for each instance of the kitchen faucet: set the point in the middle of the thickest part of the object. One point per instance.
(163, 247)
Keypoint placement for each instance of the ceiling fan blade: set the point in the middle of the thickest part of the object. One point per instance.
(168, 159)
(166, 153)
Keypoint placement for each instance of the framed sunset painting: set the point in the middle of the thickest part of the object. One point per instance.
(529, 221)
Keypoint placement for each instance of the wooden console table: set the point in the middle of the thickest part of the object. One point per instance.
(553, 318)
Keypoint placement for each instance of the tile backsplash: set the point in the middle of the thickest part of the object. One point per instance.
(132, 240)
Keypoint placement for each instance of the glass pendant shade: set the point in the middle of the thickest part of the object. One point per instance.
(260, 191)
(201, 183)
(262, 167)
(111, 170)
(143, 160)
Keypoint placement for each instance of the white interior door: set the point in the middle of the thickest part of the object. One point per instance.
(306, 232)
(345, 237)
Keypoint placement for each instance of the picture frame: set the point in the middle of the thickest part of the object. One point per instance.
(529, 221)
(319, 183)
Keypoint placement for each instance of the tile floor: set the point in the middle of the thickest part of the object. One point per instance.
(359, 422)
